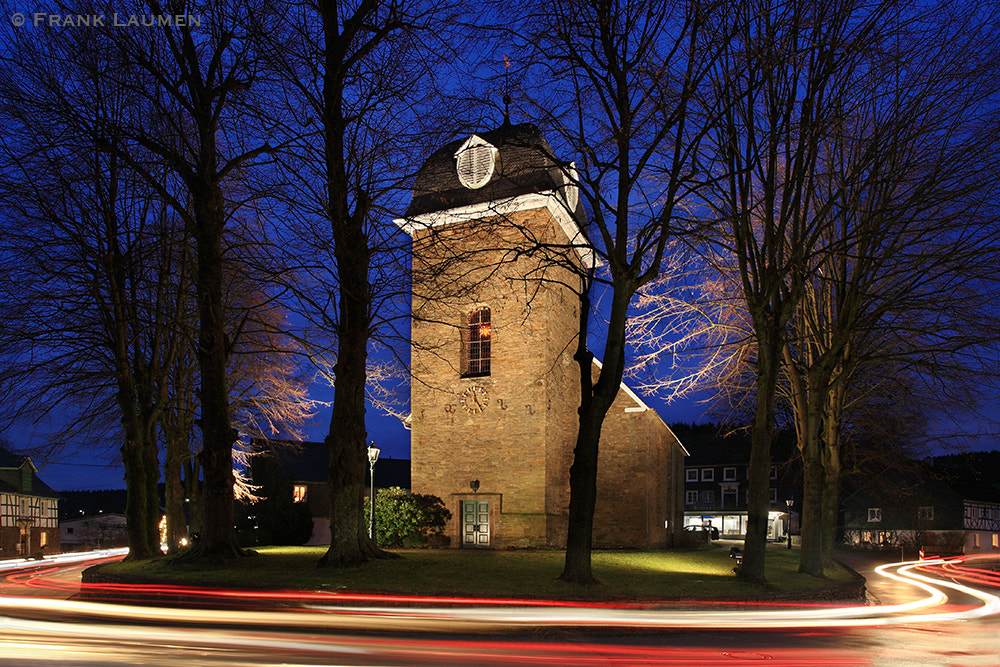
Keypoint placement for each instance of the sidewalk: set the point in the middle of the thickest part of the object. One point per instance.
(880, 590)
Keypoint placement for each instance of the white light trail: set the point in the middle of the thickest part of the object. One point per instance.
(513, 618)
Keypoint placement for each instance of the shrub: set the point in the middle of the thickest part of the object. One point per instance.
(404, 519)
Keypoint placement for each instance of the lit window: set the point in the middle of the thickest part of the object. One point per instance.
(975, 540)
(690, 497)
(874, 514)
(43, 539)
(729, 474)
(925, 513)
(708, 474)
(996, 541)
(692, 475)
(298, 493)
(477, 337)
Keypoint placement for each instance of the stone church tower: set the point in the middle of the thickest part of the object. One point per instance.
(496, 226)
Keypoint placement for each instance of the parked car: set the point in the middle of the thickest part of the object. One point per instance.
(711, 530)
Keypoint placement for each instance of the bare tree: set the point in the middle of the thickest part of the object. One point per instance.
(904, 230)
(192, 81)
(782, 85)
(617, 84)
(99, 281)
(356, 75)
(895, 210)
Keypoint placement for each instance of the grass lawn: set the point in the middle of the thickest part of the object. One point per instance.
(663, 575)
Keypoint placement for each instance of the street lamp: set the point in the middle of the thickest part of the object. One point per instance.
(789, 502)
(372, 458)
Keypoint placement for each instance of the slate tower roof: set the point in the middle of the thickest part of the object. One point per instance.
(523, 163)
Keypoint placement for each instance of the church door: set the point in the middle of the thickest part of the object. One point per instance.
(475, 523)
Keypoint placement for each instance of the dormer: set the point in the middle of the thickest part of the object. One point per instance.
(475, 162)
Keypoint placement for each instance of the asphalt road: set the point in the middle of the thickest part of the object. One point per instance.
(922, 621)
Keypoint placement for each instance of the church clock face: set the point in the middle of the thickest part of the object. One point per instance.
(475, 399)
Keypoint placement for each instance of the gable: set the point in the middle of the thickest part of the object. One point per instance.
(634, 404)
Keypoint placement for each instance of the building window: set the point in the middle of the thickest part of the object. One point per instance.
(298, 493)
(707, 498)
(690, 497)
(476, 339)
(43, 539)
(691, 475)
(925, 513)
(996, 541)
(975, 540)
(874, 514)
(774, 496)
(708, 474)
(774, 472)
(729, 474)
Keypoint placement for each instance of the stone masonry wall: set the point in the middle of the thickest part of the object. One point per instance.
(505, 446)
(519, 445)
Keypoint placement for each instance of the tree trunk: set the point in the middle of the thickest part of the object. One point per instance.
(140, 521)
(151, 463)
(810, 415)
(136, 504)
(218, 435)
(596, 400)
(813, 478)
(831, 466)
(583, 497)
(349, 541)
(173, 469)
(192, 491)
(758, 486)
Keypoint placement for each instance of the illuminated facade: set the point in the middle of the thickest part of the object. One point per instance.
(716, 481)
(497, 251)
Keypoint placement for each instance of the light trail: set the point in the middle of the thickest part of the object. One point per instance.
(82, 630)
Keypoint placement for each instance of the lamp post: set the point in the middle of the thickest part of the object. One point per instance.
(372, 458)
(789, 503)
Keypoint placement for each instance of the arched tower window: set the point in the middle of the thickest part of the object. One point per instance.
(476, 338)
